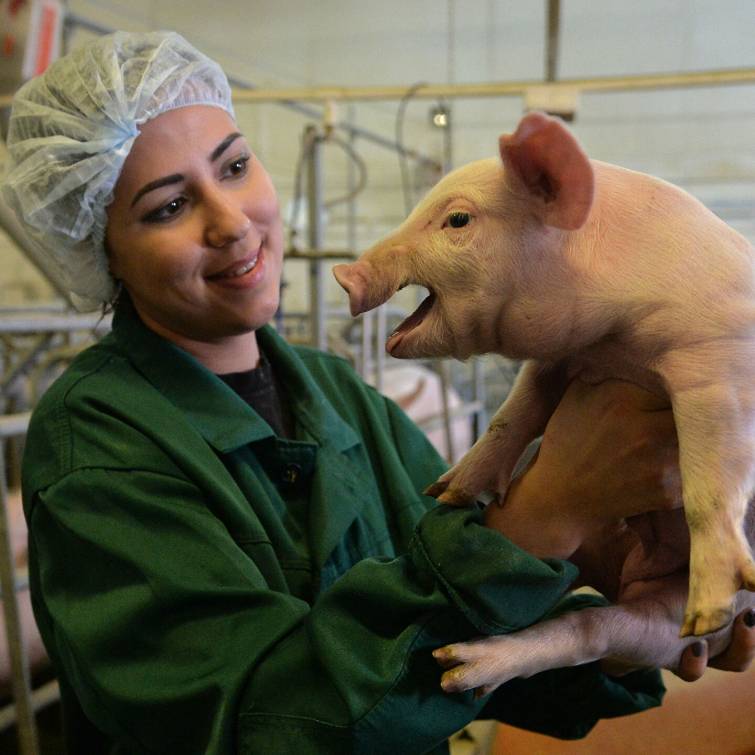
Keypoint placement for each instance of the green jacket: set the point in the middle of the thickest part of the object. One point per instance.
(203, 586)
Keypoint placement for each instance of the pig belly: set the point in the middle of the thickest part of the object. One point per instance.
(609, 362)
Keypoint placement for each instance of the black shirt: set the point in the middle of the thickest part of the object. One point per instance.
(260, 389)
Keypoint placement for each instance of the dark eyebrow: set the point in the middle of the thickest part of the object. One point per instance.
(223, 146)
(152, 185)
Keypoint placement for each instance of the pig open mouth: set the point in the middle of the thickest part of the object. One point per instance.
(410, 323)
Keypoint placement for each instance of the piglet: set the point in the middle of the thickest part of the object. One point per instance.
(587, 269)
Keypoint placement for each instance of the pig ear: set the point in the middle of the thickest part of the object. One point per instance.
(547, 160)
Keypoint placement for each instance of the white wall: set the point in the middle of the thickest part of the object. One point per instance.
(699, 138)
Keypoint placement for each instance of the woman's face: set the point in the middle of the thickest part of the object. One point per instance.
(194, 230)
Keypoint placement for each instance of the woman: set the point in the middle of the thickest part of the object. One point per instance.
(228, 549)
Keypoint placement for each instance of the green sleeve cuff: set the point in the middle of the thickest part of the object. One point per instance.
(568, 702)
(496, 585)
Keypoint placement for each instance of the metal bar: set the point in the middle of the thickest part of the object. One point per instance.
(14, 424)
(31, 323)
(74, 20)
(40, 698)
(20, 582)
(434, 421)
(441, 367)
(480, 420)
(381, 318)
(351, 185)
(719, 77)
(19, 661)
(295, 254)
(18, 369)
(716, 77)
(365, 367)
(313, 151)
(551, 50)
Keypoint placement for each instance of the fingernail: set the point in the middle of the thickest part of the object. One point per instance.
(697, 649)
(750, 618)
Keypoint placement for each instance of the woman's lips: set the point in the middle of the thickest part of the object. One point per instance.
(242, 274)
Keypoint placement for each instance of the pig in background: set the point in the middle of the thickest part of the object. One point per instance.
(587, 269)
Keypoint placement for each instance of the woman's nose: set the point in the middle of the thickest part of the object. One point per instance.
(225, 222)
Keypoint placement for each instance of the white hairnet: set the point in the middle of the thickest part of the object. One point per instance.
(71, 130)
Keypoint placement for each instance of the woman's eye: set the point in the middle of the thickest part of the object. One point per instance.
(239, 167)
(458, 219)
(167, 211)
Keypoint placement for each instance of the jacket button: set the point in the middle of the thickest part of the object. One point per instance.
(291, 473)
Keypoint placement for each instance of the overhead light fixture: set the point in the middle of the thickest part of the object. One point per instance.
(440, 116)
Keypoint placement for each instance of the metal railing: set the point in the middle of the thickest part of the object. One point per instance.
(25, 702)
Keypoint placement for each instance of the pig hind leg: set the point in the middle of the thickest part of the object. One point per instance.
(717, 459)
(638, 632)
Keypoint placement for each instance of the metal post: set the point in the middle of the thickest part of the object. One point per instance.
(351, 182)
(313, 145)
(19, 663)
(381, 316)
(365, 368)
(480, 419)
(442, 368)
(551, 47)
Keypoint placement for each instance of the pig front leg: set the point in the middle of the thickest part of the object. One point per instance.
(715, 424)
(488, 465)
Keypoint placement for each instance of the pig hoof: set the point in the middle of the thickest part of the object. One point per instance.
(452, 497)
(436, 489)
(748, 577)
(698, 624)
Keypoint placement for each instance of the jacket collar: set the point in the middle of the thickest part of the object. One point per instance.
(223, 419)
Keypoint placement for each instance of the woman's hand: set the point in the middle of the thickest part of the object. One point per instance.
(608, 452)
(737, 656)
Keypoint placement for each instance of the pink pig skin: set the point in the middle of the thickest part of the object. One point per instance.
(584, 268)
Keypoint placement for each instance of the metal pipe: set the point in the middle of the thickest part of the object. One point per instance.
(12, 425)
(551, 49)
(438, 420)
(53, 323)
(479, 419)
(381, 319)
(19, 662)
(20, 367)
(442, 368)
(40, 698)
(295, 254)
(720, 77)
(313, 151)
(365, 366)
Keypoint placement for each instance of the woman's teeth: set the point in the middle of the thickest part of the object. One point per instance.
(245, 268)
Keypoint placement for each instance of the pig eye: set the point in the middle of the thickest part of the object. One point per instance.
(458, 219)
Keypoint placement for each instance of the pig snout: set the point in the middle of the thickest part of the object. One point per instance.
(366, 286)
(353, 281)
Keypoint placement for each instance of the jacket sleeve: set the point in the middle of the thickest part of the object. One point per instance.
(174, 642)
